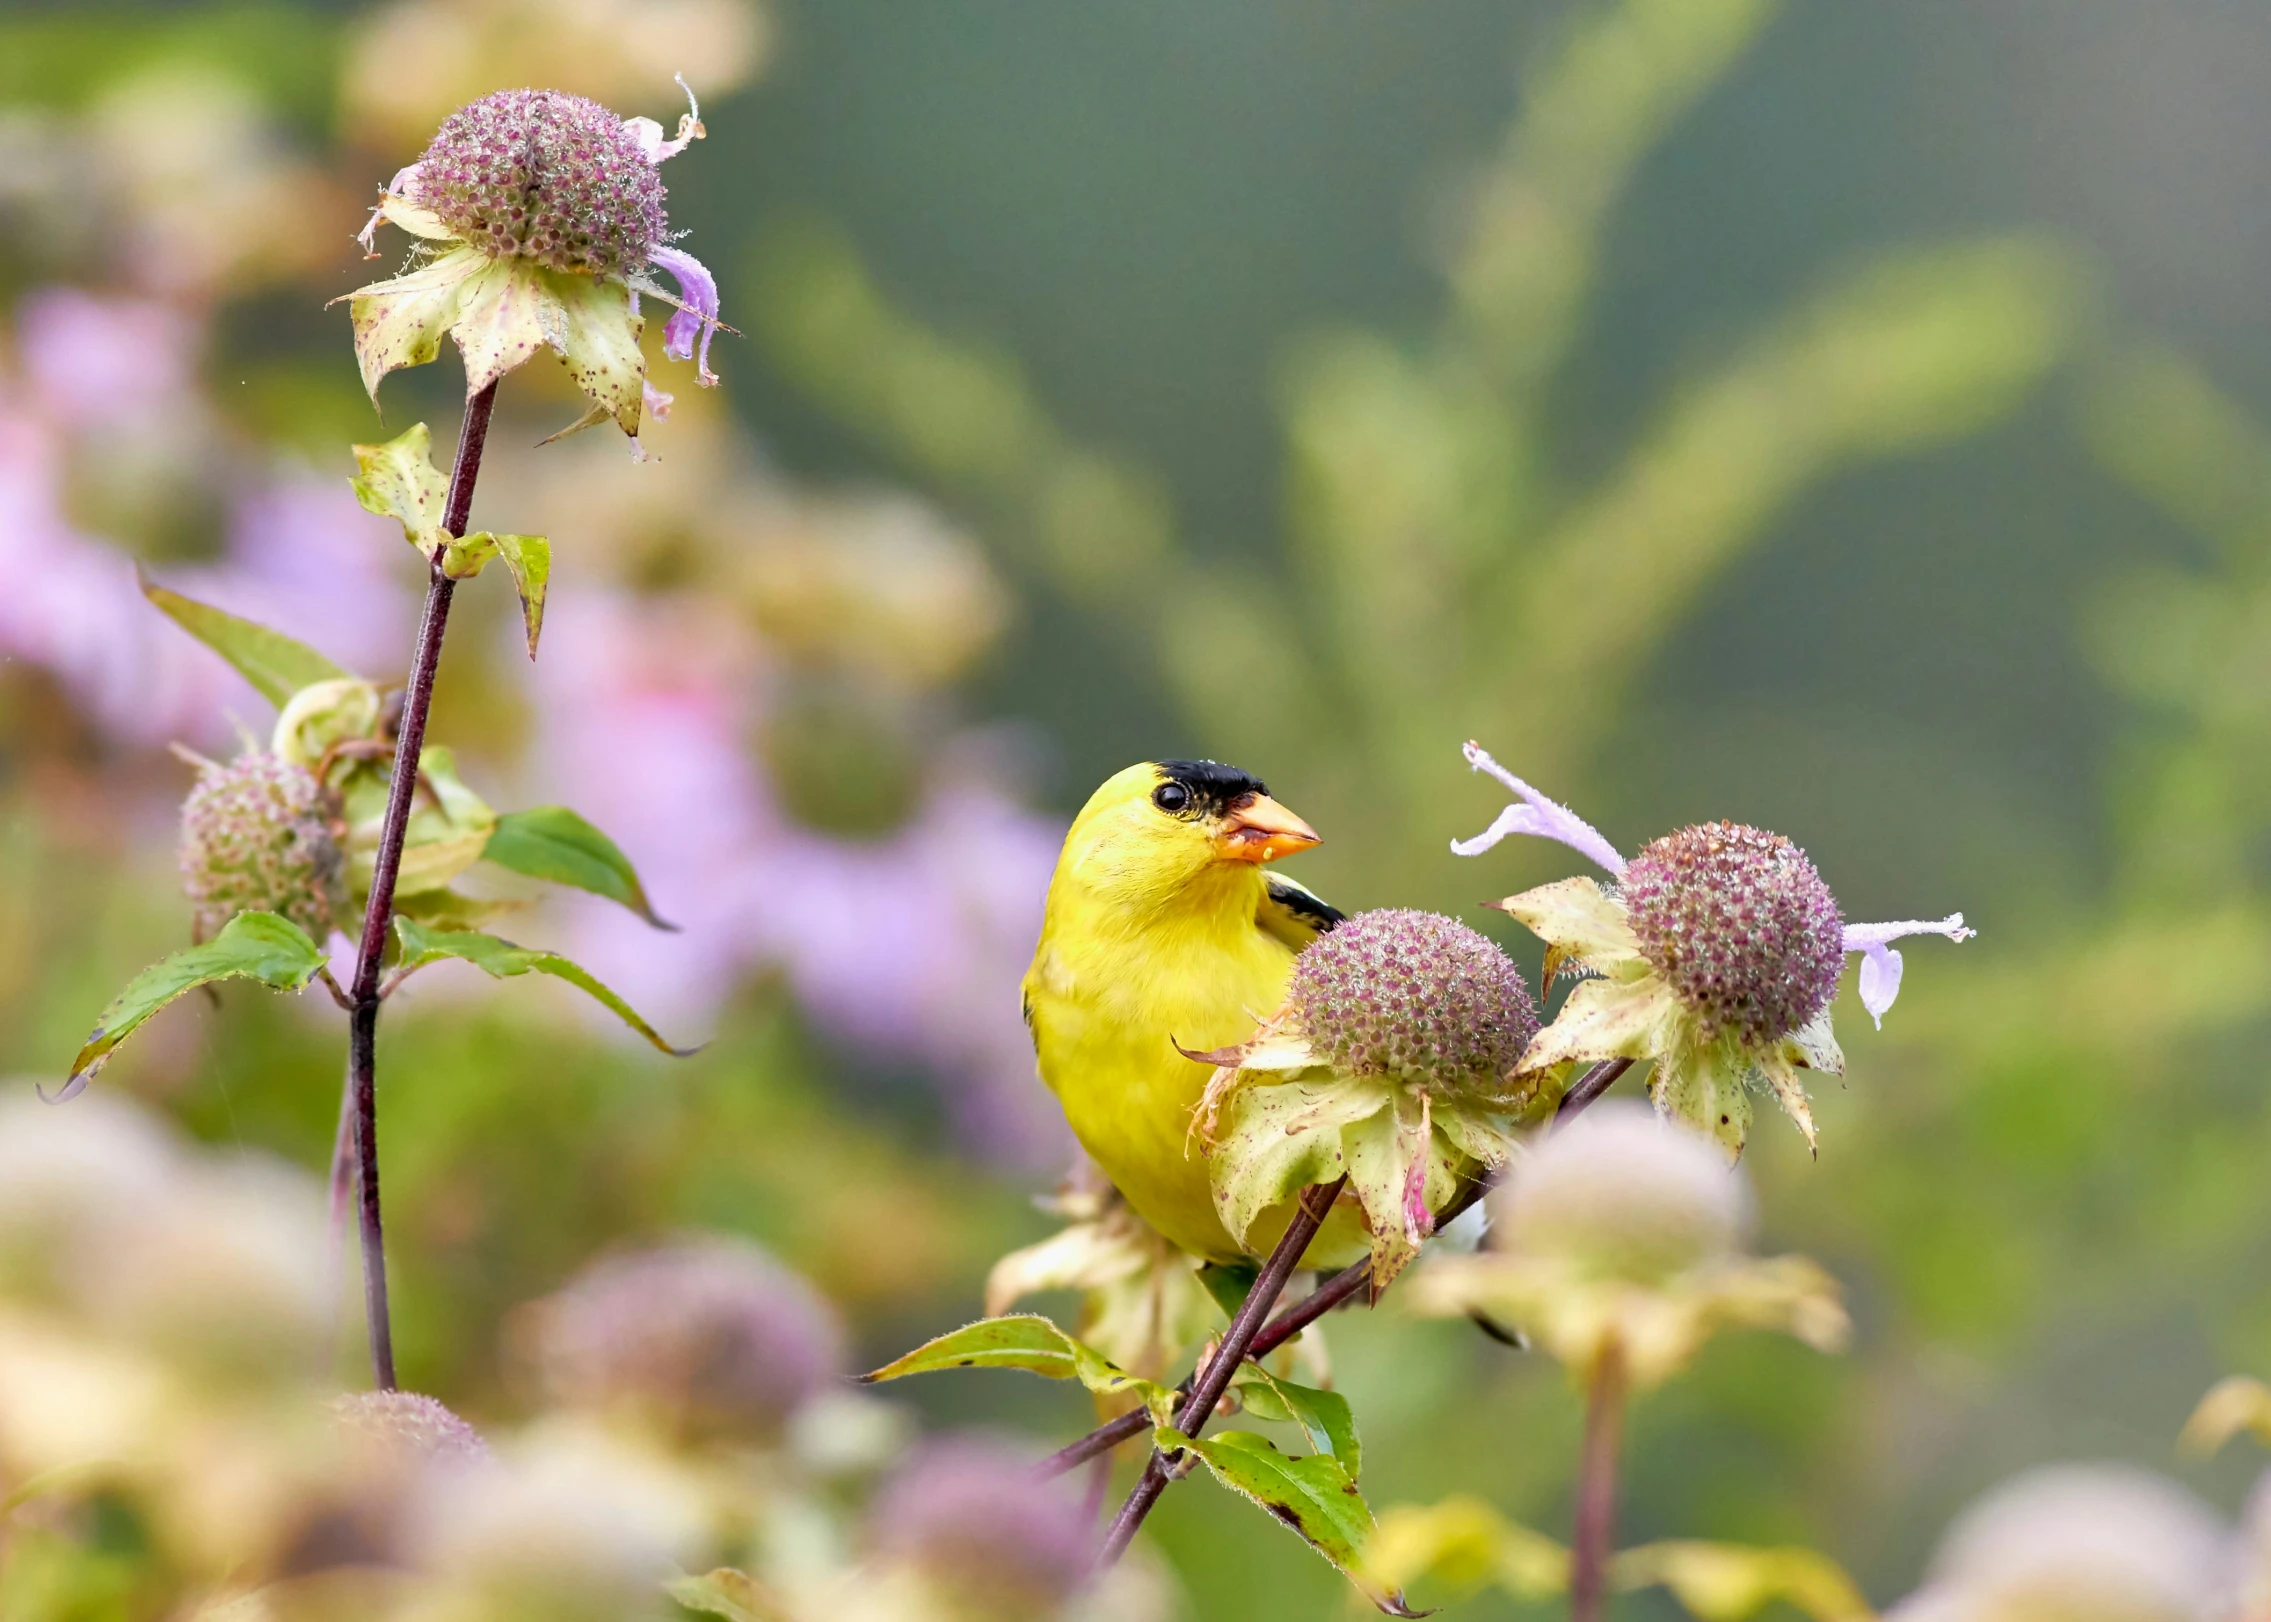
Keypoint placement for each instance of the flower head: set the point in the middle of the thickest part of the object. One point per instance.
(1716, 954)
(1622, 1234)
(1397, 1060)
(541, 224)
(705, 1337)
(989, 1537)
(407, 1425)
(262, 833)
(2078, 1543)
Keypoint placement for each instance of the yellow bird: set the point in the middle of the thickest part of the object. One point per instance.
(1164, 930)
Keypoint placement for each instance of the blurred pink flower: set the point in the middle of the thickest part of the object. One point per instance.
(908, 948)
(90, 360)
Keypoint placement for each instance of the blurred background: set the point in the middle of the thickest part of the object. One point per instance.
(1846, 419)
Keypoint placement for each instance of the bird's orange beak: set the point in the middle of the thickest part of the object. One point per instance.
(1258, 829)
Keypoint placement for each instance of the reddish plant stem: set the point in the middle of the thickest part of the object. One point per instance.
(1237, 1344)
(1595, 1531)
(1341, 1287)
(378, 916)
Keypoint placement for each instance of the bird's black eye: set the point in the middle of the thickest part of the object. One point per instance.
(1172, 798)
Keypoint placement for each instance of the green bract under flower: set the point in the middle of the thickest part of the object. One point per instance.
(1395, 1062)
(261, 833)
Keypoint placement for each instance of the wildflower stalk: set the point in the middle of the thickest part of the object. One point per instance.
(1237, 1345)
(362, 1037)
(1341, 1287)
(1595, 1528)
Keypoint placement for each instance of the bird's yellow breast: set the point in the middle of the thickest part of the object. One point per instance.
(1110, 998)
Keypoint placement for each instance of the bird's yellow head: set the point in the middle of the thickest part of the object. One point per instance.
(1155, 829)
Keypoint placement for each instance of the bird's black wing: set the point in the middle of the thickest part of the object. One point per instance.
(1295, 915)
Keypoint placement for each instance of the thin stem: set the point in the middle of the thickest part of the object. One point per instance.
(362, 1030)
(1340, 1288)
(1595, 1531)
(1309, 1215)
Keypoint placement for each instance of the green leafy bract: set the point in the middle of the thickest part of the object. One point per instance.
(251, 946)
(553, 843)
(1315, 1496)
(501, 959)
(399, 481)
(274, 663)
(1465, 1543)
(1032, 1343)
(1324, 1416)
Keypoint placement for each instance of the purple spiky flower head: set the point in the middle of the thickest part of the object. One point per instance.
(546, 175)
(707, 1337)
(1741, 924)
(996, 1539)
(261, 833)
(406, 1425)
(1414, 996)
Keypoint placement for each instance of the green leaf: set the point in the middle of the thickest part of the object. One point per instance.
(1324, 1416)
(251, 946)
(553, 843)
(274, 663)
(1314, 1496)
(1032, 1343)
(501, 960)
(734, 1595)
(528, 558)
(399, 481)
(1726, 1582)
(1228, 1283)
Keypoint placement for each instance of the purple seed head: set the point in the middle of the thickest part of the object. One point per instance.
(1741, 924)
(259, 833)
(547, 175)
(707, 1337)
(1000, 1541)
(1415, 996)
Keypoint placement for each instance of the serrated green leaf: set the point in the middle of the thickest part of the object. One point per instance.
(275, 664)
(251, 946)
(401, 322)
(399, 481)
(734, 1595)
(1324, 1416)
(1314, 1496)
(553, 843)
(1033, 1344)
(501, 960)
(1726, 1582)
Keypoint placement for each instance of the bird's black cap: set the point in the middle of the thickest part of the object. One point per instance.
(1214, 786)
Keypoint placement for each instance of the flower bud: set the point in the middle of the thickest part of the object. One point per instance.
(405, 1425)
(1741, 925)
(993, 1539)
(1414, 996)
(546, 175)
(1621, 1194)
(258, 833)
(2079, 1543)
(705, 1337)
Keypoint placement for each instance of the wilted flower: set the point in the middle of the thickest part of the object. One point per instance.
(2078, 1543)
(546, 212)
(705, 1338)
(1142, 1303)
(262, 833)
(1622, 1235)
(1716, 954)
(986, 1535)
(1397, 1060)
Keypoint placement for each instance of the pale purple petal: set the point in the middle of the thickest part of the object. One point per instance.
(699, 316)
(1881, 965)
(399, 186)
(1538, 816)
(657, 403)
(648, 133)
